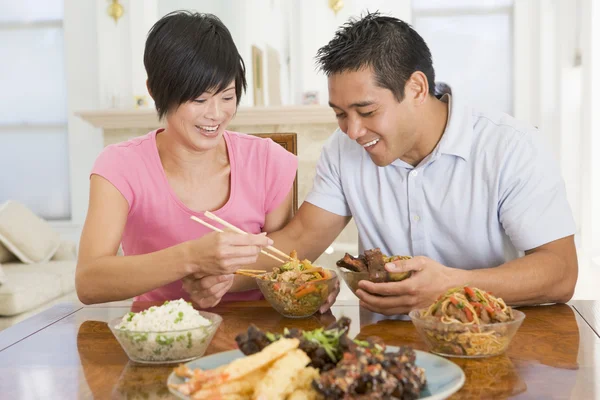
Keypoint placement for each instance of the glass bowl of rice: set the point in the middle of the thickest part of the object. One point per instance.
(174, 332)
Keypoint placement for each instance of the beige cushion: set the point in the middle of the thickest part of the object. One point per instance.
(30, 285)
(2, 275)
(26, 235)
(65, 252)
(5, 254)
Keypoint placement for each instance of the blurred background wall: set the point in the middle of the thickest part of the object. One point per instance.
(538, 60)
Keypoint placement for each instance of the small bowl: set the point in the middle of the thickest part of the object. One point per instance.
(295, 300)
(466, 341)
(352, 278)
(166, 347)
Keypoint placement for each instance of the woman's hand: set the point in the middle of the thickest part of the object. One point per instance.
(207, 291)
(222, 253)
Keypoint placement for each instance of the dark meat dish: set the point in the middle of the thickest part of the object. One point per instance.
(350, 369)
(363, 374)
(324, 346)
(373, 262)
(358, 264)
(377, 272)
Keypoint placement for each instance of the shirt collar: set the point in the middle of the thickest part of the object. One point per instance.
(458, 134)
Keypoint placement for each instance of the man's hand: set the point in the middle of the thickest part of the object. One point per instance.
(331, 298)
(428, 281)
(207, 291)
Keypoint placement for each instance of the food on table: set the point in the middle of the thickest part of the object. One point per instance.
(277, 372)
(372, 262)
(374, 375)
(324, 346)
(467, 321)
(348, 368)
(172, 331)
(297, 288)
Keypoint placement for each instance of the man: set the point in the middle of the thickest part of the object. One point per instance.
(471, 195)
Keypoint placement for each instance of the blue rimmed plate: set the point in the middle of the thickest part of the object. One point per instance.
(443, 376)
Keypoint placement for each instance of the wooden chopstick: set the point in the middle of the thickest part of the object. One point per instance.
(249, 274)
(214, 228)
(234, 228)
(253, 271)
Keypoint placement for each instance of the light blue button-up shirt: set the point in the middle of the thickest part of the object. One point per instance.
(488, 191)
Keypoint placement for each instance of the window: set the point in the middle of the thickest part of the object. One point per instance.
(471, 45)
(34, 160)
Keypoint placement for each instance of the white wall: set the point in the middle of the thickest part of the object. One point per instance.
(590, 144)
(314, 24)
(104, 69)
(83, 92)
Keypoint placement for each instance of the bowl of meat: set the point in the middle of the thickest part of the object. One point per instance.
(369, 266)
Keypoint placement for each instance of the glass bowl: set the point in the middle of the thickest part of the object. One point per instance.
(295, 300)
(352, 278)
(466, 341)
(165, 347)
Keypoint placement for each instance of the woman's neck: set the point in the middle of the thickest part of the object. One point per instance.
(178, 159)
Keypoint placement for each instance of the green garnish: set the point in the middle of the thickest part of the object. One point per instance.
(163, 340)
(329, 340)
(272, 337)
(130, 316)
(179, 317)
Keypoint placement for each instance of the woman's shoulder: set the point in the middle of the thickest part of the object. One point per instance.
(248, 140)
(126, 157)
(137, 145)
(252, 148)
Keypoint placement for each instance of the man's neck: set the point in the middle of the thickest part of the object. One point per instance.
(434, 119)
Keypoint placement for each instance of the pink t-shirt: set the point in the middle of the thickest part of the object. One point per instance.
(262, 174)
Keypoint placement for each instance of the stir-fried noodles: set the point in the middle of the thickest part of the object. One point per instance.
(467, 321)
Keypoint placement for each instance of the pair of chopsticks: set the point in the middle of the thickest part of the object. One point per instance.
(234, 228)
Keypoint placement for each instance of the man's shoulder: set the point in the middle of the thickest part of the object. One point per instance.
(498, 124)
(501, 133)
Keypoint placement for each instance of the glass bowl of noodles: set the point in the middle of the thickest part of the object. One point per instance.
(297, 289)
(467, 322)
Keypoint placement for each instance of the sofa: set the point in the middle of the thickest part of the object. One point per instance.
(36, 265)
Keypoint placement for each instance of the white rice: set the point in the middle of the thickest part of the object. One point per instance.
(172, 332)
(171, 316)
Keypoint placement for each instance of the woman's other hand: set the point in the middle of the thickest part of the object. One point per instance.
(207, 291)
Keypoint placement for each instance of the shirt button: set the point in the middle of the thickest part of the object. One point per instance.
(416, 218)
(414, 173)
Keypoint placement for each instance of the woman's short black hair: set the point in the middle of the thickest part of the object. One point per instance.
(187, 54)
(391, 47)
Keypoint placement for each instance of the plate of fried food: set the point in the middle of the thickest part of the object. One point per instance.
(320, 364)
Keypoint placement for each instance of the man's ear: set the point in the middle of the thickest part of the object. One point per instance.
(148, 87)
(417, 87)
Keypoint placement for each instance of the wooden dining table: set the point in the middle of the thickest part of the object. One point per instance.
(68, 352)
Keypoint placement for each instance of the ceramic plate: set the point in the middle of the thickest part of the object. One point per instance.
(443, 376)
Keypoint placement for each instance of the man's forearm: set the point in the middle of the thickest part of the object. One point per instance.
(537, 278)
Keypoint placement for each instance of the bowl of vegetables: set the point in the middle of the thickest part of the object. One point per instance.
(297, 289)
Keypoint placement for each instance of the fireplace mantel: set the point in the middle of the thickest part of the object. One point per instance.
(246, 116)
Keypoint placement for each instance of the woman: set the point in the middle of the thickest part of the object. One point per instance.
(143, 191)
